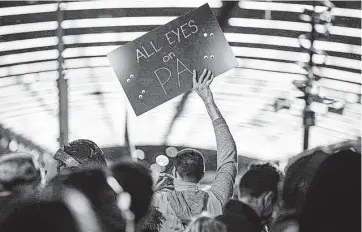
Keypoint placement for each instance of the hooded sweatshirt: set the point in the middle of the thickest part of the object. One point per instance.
(179, 205)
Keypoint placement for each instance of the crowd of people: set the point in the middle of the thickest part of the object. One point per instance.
(320, 189)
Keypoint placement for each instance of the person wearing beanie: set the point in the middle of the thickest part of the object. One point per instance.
(71, 211)
(299, 174)
(333, 200)
(76, 155)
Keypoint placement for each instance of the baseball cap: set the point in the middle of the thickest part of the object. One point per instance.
(81, 152)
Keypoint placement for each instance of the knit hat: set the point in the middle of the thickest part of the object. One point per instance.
(302, 169)
(17, 169)
(82, 153)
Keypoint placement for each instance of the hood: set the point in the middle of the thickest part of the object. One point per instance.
(188, 204)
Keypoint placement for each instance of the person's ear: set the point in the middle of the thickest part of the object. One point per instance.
(268, 203)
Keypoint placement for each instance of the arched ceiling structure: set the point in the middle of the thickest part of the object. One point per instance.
(264, 38)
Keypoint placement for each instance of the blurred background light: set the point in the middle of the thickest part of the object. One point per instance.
(139, 154)
(156, 168)
(113, 22)
(4, 142)
(13, 145)
(29, 27)
(109, 4)
(162, 160)
(273, 24)
(171, 151)
(29, 9)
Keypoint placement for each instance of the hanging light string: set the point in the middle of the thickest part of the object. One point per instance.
(320, 17)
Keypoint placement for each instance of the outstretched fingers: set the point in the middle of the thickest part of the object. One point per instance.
(208, 83)
(207, 78)
(202, 77)
(194, 76)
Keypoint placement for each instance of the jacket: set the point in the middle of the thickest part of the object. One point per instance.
(186, 201)
(240, 217)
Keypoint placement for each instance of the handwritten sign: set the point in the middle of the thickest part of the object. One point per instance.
(158, 66)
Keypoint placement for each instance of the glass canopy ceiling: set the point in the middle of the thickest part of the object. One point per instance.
(265, 38)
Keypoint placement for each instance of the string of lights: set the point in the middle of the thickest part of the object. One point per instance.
(321, 19)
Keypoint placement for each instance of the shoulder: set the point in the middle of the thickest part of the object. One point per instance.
(161, 200)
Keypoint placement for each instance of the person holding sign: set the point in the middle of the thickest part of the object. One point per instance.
(157, 67)
(177, 196)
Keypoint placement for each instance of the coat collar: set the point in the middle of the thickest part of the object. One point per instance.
(185, 186)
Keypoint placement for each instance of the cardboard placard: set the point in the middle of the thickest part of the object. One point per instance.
(158, 66)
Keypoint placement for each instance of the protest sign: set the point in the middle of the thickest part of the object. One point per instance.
(158, 66)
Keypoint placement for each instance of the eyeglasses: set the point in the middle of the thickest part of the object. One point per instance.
(123, 202)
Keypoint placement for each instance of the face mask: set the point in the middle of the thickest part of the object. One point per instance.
(266, 217)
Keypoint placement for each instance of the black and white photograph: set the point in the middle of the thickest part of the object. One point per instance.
(180, 116)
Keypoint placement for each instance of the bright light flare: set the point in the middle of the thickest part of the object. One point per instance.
(270, 24)
(162, 160)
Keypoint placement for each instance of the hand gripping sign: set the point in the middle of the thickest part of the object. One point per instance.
(158, 66)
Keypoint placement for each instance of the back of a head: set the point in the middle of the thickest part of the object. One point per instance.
(86, 152)
(189, 164)
(260, 178)
(302, 168)
(206, 224)
(93, 184)
(137, 181)
(57, 215)
(19, 169)
(40, 217)
(296, 183)
(333, 201)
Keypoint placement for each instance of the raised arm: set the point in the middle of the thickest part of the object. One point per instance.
(223, 185)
